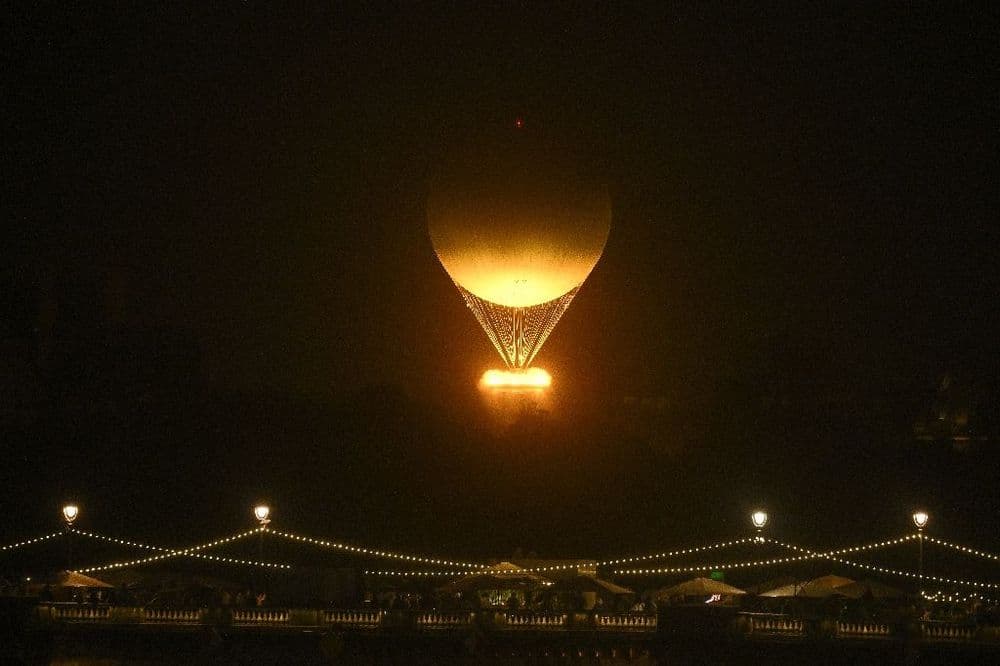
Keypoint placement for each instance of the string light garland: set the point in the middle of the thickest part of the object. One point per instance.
(28, 542)
(642, 558)
(467, 568)
(377, 553)
(576, 565)
(895, 572)
(192, 551)
(767, 562)
(426, 574)
(962, 549)
(675, 553)
(122, 542)
(215, 558)
(941, 595)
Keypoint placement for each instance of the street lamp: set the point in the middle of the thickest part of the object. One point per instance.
(261, 513)
(70, 512)
(920, 519)
(759, 519)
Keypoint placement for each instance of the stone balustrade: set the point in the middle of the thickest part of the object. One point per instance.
(535, 620)
(862, 629)
(80, 613)
(260, 616)
(171, 616)
(351, 618)
(756, 626)
(435, 620)
(947, 632)
(627, 622)
(776, 625)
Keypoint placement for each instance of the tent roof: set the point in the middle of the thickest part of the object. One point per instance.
(772, 584)
(590, 583)
(501, 576)
(877, 590)
(501, 567)
(77, 579)
(824, 586)
(698, 587)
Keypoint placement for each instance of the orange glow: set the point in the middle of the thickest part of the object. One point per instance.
(532, 378)
(511, 266)
(518, 224)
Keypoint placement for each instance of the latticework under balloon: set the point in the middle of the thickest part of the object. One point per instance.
(518, 333)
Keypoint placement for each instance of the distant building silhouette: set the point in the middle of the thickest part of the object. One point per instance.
(951, 417)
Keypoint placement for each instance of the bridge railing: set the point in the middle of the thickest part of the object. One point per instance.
(172, 616)
(519, 620)
(946, 631)
(354, 618)
(863, 630)
(77, 613)
(625, 622)
(444, 620)
(775, 624)
(753, 625)
(259, 616)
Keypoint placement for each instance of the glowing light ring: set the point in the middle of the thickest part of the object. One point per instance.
(28, 542)
(530, 379)
(377, 553)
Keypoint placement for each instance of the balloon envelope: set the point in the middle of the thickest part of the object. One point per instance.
(518, 225)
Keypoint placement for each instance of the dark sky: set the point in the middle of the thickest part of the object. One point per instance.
(217, 283)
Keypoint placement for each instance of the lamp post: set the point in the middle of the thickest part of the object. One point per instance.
(759, 520)
(69, 514)
(261, 513)
(920, 519)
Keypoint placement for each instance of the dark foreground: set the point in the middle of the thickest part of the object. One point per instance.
(113, 636)
(114, 648)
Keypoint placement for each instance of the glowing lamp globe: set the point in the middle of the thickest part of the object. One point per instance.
(518, 225)
(920, 519)
(759, 519)
(70, 512)
(261, 512)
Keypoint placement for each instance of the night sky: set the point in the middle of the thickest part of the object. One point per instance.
(217, 284)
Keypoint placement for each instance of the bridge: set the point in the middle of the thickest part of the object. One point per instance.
(577, 631)
(607, 637)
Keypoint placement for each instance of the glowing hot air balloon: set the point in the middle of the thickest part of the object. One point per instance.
(518, 226)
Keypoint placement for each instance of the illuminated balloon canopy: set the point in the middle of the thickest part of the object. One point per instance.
(518, 226)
